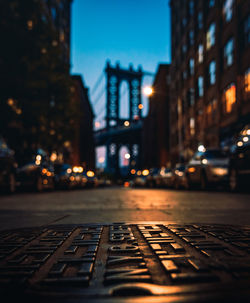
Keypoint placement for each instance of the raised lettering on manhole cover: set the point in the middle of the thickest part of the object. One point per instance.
(69, 263)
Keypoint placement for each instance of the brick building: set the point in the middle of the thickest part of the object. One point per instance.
(210, 72)
(83, 148)
(156, 124)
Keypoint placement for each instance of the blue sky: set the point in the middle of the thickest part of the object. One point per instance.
(128, 31)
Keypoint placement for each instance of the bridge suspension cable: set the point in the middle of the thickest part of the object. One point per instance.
(98, 82)
(100, 111)
(98, 98)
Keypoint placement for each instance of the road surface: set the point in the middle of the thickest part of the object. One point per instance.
(118, 204)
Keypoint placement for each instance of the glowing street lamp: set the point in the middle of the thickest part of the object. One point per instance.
(201, 148)
(126, 123)
(148, 91)
(127, 156)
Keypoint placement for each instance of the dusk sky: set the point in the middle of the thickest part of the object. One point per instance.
(128, 31)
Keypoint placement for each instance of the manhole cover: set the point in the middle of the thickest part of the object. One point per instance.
(122, 262)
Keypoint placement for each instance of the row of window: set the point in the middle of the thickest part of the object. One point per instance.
(211, 38)
(228, 61)
(229, 94)
(227, 12)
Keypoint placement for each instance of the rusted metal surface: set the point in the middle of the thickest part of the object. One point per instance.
(123, 262)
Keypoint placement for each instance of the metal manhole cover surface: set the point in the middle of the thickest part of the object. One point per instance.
(123, 262)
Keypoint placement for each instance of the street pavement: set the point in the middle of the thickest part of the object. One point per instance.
(119, 204)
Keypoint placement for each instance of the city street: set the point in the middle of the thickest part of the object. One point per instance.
(118, 204)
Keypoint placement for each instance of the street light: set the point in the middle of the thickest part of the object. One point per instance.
(127, 156)
(148, 91)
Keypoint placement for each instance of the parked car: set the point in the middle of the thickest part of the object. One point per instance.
(37, 173)
(239, 166)
(152, 176)
(140, 178)
(63, 176)
(208, 167)
(179, 176)
(7, 168)
(164, 178)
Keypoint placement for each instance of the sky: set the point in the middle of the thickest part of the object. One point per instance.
(124, 31)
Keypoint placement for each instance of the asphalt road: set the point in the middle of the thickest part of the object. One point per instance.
(118, 204)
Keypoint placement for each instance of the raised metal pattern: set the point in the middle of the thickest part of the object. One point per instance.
(114, 262)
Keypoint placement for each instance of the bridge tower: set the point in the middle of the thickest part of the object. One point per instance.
(114, 77)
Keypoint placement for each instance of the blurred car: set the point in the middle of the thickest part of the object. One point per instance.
(164, 177)
(63, 176)
(36, 174)
(7, 168)
(139, 178)
(84, 178)
(208, 167)
(239, 166)
(92, 180)
(179, 176)
(152, 177)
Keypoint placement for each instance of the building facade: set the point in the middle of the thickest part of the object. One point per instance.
(83, 147)
(156, 125)
(210, 73)
(35, 79)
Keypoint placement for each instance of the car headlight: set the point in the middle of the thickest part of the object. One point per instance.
(219, 171)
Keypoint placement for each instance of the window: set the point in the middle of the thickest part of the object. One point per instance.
(210, 37)
(247, 81)
(191, 7)
(191, 37)
(53, 13)
(200, 53)
(190, 97)
(211, 112)
(200, 20)
(228, 53)
(229, 98)
(184, 75)
(184, 22)
(247, 30)
(228, 10)
(200, 86)
(211, 3)
(212, 72)
(184, 49)
(191, 66)
(192, 126)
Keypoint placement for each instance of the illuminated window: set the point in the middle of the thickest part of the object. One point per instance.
(200, 86)
(228, 9)
(228, 53)
(192, 126)
(210, 37)
(229, 97)
(191, 66)
(200, 20)
(212, 72)
(211, 112)
(247, 80)
(200, 53)
(247, 30)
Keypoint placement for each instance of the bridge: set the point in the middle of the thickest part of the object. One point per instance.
(118, 131)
